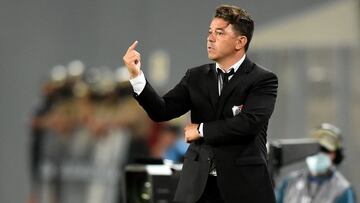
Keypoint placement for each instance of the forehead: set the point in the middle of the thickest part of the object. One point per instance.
(219, 23)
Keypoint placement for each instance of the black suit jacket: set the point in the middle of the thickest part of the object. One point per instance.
(237, 143)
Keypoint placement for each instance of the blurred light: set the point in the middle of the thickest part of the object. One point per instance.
(106, 83)
(58, 73)
(316, 74)
(76, 68)
(147, 184)
(122, 74)
(159, 66)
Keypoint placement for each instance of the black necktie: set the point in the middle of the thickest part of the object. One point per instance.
(224, 77)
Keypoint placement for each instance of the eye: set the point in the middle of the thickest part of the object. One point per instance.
(219, 33)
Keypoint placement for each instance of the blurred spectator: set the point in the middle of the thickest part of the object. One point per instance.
(83, 134)
(321, 182)
(169, 143)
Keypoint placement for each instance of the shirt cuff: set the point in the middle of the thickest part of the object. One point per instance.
(138, 83)
(201, 132)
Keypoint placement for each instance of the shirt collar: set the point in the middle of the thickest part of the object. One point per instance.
(235, 66)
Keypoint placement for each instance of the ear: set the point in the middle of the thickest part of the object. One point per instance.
(241, 42)
(332, 156)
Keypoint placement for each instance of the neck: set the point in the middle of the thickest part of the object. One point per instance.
(325, 175)
(226, 63)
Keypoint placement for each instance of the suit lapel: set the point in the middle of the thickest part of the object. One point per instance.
(235, 81)
(212, 84)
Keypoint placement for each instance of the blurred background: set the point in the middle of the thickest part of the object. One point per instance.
(56, 58)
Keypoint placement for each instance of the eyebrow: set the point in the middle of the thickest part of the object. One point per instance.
(220, 28)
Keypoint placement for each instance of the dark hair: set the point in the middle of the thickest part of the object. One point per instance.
(339, 154)
(239, 19)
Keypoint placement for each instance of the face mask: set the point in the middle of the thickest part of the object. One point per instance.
(318, 163)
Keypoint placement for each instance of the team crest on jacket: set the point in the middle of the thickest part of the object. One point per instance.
(237, 109)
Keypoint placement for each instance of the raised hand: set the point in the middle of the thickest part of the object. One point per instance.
(132, 60)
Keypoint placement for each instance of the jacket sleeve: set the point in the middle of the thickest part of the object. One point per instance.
(173, 104)
(255, 114)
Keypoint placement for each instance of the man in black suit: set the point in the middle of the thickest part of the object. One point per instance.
(231, 102)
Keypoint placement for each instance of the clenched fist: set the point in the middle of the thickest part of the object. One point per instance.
(191, 132)
(132, 60)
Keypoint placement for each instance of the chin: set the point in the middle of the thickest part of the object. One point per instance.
(211, 57)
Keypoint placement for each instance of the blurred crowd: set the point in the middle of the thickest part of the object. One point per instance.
(86, 128)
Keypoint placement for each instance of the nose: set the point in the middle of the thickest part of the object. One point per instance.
(211, 37)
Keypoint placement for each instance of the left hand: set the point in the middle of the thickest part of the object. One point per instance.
(191, 132)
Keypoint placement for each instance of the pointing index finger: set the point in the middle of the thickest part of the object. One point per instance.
(133, 46)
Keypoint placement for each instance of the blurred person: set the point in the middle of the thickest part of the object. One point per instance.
(321, 182)
(131, 116)
(169, 144)
(231, 102)
(55, 92)
(109, 155)
(37, 131)
(177, 150)
(60, 124)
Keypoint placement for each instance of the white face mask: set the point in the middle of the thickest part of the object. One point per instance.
(318, 163)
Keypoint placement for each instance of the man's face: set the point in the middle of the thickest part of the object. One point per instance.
(221, 41)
